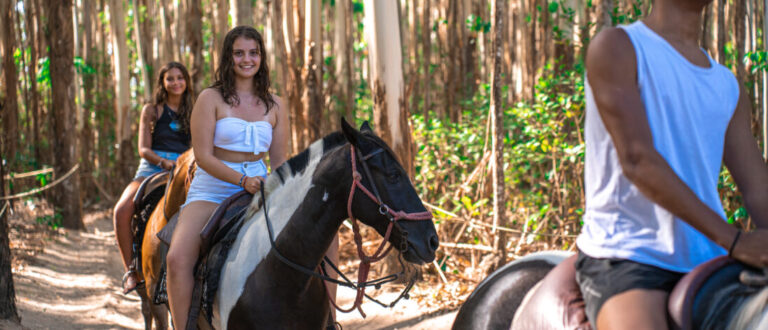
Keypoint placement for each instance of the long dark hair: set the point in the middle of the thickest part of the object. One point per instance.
(225, 72)
(187, 99)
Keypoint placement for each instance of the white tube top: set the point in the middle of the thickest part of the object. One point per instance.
(236, 134)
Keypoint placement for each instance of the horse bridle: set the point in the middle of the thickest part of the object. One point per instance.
(365, 260)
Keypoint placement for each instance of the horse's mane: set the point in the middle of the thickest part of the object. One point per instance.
(295, 165)
(753, 314)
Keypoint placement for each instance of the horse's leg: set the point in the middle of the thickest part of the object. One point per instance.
(145, 309)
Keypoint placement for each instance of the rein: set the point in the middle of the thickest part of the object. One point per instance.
(365, 260)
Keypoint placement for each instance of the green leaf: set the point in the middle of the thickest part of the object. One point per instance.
(553, 7)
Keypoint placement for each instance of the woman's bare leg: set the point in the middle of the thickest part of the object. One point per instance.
(122, 222)
(182, 256)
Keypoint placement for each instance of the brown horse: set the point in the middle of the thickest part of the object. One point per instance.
(153, 250)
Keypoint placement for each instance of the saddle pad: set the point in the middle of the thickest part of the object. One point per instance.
(555, 303)
(166, 233)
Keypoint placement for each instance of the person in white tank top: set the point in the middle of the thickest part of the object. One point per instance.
(662, 117)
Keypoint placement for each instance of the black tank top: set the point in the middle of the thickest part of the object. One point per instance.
(167, 134)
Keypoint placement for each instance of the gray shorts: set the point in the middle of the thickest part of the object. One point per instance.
(603, 278)
(205, 187)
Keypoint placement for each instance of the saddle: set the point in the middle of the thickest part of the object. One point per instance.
(217, 237)
(556, 302)
(145, 200)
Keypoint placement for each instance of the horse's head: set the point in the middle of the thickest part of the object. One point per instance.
(390, 196)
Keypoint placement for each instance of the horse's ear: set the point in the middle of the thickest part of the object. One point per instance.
(350, 132)
(365, 127)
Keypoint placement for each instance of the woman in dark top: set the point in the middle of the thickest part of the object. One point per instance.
(163, 136)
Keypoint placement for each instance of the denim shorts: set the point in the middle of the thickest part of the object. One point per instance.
(602, 278)
(146, 169)
(205, 187)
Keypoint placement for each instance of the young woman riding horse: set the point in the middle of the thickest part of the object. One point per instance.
(234, 124)
(163, 135)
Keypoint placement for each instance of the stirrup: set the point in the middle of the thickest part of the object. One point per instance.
(139, 284)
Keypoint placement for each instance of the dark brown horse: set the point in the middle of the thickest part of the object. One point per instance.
(152, 249)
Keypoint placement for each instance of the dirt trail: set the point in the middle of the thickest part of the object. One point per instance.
(73, 284)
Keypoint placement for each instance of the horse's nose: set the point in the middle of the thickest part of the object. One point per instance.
(434, 242)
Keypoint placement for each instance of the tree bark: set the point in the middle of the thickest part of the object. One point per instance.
(389, 111)
(219, 26)
(313, 71)
(194, 19)
(342, 18)
(61, 38)
(125, 154)
(143, 61)
(739, 20)
(10, 106)
(497, 140)
(242, 12)
(8, 309)
(426, 53)
(33, 110)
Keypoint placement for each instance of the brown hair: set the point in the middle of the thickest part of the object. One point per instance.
(187, 99)
(225, 72)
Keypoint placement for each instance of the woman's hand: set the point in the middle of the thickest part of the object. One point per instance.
(166, 164)
(252, 184)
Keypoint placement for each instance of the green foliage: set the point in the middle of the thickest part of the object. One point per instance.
(475, 23)
(53, 222)
(543, 154)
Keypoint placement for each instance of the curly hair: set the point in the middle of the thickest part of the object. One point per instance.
(225, 72)
(187, 99)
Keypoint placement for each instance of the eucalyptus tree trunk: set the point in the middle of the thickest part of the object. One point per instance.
(122, 89)
(219, 29)
(167, 45)
(389, 113)
(86, 132)
(242, 12)
(33, 109)
(497, 139)
(143, 61)
(61, 38)
(453, 62)
(194, 20)
(8, 309)
(10, 102)
(313, 71)
(739, 21)
(293, 15)
(341, 43)
(147, 34)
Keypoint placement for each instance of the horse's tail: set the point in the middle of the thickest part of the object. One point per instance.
(753, 314)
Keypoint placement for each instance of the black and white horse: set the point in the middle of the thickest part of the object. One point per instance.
(721, 300)
(307, 200)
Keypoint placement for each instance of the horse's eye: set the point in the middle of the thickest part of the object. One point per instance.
(393, 176)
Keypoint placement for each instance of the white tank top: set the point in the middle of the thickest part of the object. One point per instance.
(236, 134)
(688, 108)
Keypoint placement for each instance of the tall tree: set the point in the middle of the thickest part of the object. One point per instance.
(88, 104)
(343, 65)
(389, 113)
(194, 40)
(122, 88)
(242, 12)
(11, 106)
(497, 137)
(33, 109)
(219, 29)
(426, 54)
(61, 38)
(7, 294)
(313, 70)
(141, 43)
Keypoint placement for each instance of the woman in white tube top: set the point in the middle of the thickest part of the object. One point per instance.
(235, 123)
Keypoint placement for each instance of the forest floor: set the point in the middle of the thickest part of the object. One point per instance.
(70, 280)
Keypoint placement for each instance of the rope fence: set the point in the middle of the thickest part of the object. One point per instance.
(43, 188)
(28, 174)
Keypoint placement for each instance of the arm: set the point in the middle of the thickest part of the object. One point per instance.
(278, 150)
(743, 159)
(202, 127)
(612, 74)
(148, 118)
